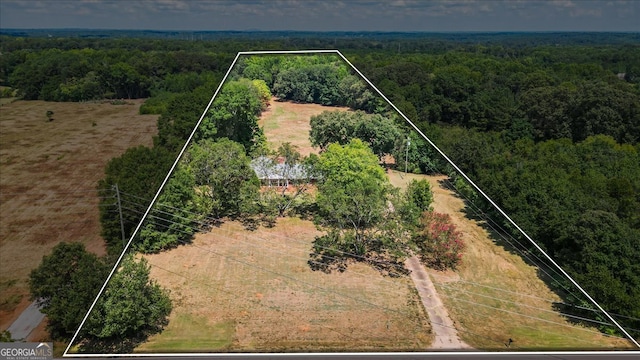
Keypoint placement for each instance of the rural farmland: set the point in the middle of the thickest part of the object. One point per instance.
(49, 171)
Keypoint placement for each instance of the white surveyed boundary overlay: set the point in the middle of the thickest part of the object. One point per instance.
(188, 142)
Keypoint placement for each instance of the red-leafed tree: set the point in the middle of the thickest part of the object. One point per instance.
(440, 244)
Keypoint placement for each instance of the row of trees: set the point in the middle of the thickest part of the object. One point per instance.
(319, 79)
(88, 74)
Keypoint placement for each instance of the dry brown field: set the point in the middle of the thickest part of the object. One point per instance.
(285, 121)
(495, 295)
(49, 172)
(239, 290)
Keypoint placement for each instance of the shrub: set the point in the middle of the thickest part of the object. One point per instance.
(440, 244)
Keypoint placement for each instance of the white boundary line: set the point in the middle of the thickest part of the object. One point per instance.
(187, 143)
(494, 204)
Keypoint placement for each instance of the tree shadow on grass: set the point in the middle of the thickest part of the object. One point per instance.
(573, 306)
(329, 257)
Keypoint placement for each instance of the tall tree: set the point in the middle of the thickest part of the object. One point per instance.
(138, 174)
(234, 115)
(223, 173)
(131, 308)
(352, 196)
(174, 217)
(65, 284)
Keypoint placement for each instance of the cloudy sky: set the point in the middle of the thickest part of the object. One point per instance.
(306, 15)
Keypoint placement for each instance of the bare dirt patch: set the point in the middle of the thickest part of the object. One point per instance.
(260, 283)
(48, 176)
(495, 295)
(286, 121)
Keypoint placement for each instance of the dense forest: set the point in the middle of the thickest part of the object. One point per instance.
(547, 125)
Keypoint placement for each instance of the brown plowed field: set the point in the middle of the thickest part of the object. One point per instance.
(49, 171)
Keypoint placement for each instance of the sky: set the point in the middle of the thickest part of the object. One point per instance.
(307, 15)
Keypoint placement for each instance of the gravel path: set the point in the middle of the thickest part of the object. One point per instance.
(446, 335)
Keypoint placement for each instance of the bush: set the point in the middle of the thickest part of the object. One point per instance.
(157, 104)
(440, 244)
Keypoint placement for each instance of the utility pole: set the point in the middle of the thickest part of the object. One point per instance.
(406, 158)
(124, 240)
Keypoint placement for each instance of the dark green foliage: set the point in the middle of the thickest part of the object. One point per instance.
(487, 91)
(132, 308)
(65, 285)
(340, 127)
(578, 201)
(5, 336)
(319, 79)
(221, 169)
(234, 115)
(173, 219)
(177, 122)
(421, 157)
(352, 196)
(138, 174)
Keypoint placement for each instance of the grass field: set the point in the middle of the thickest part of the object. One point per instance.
(289, 122)
(48, 176)
(240, 290)
(495, 295)
(254, 291)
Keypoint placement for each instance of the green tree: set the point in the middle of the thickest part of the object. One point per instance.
(177, 122)
(131, 308)
(418, 199)
(65, 284)
(340, 127)
(173, 219)
(234, 115)
(138, 174)
(352, 196)
(420, 158)
(222, 171)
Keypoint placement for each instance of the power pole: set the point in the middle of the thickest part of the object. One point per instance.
(406, 158)
(124, 240)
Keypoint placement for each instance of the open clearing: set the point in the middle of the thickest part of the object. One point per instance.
(254, 291)
(48, 176)
(285, 121)
(495, 296)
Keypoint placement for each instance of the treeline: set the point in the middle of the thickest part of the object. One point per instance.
(579, 201)
(531, 94)
(89, 74)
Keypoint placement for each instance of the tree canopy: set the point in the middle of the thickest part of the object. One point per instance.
(65, 284)
(131, 308)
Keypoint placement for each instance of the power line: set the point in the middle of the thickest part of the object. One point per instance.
(513, 312)
(194, 229)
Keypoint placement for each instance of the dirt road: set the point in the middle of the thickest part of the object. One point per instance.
(446, 335)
